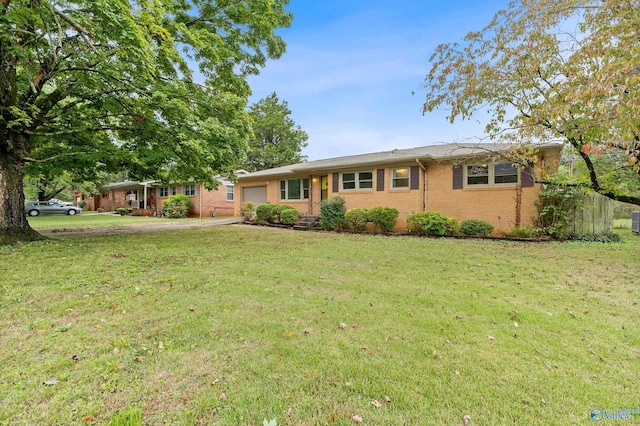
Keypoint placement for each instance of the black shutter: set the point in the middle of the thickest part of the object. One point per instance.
(526, 177)
(457, 176)
(380, 180)
(414, 181)
(335, 182)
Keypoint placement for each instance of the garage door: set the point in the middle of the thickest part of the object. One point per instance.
(255, 194)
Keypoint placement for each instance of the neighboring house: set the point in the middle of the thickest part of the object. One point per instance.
(464, 181)
(148, 197)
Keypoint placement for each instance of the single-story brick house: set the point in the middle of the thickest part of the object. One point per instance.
(148, 197)
(464, 181)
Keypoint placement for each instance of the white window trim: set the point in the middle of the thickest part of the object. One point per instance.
(230, 191)
(195, 190)
(286, 190)
(357, 181)
(393, 171)
(166, 190)
(492, 179)
(174, 190)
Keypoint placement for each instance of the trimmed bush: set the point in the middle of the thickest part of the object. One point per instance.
(263, 212)
(289, 216)
(520, 232)
(356, 219)
(476, 227)
(276, 210)
(595, 238)
(384, 218)
(82, 204)
(176, 206)
(247, 210)
(332, 212)
(431, 223)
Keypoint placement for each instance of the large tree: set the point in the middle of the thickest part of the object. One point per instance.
(277, 140)
(564, 70)
(90, 85)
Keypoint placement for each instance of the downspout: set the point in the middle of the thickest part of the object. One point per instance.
(310, 202)
(200, 194)
(424, 194)
(144, 199)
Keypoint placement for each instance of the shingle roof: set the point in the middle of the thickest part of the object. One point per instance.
(428, 153)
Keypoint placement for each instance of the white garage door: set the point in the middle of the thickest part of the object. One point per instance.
(255, 194)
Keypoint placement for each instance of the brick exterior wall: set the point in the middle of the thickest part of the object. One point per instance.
(204, 202)
(496, 205)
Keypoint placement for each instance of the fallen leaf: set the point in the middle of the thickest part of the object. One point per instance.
(87, 419)
(354, 325)
(288, 334)
(342, 326)
(491, 338)
(290, 412)
(50, 382)
(215, 382)
(223, 397)
(515, 324)
(376, 403)
(356, 419)
(466, 419)
(387, 399)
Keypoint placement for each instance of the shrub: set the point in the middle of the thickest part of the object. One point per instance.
(558, 201)
(289, 216)
(383, 218)
(332, 212)
(595, 238)
(476, 227)
(176, 206)
(356, 219)
(431, 223)
(263, 212)
(247, 210)
(520, 232)
(276, 210)
(122, 211)
(82, 204)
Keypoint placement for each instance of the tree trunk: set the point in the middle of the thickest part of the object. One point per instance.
(14, 226)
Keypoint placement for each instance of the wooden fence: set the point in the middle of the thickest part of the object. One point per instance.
(594, 217)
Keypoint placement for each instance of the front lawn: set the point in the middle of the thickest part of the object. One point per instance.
(91, 220)
(234, 325)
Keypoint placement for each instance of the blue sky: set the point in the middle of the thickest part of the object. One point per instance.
(351, 67)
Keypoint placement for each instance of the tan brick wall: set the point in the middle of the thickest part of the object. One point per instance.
(496, 205)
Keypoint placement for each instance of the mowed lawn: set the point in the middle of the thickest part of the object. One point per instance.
(233, 325)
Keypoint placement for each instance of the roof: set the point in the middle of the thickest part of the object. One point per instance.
(430, 153)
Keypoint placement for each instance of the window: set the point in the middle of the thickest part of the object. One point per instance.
(229, 193)
(357, 180)
(491, 174)
(174, 190)
(400, 178)
(294, 189)
(163, 191)
(190, 190)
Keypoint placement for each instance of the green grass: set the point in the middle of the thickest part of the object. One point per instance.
(622, 224)
(90, 220)
(164, 324)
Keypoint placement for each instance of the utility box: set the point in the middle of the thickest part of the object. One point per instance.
(635, 222)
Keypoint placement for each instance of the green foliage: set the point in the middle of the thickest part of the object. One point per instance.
(122, 211)
(538, 82)
(332, 213)
(558, 201)
(276, 211)
(247, 210)
(289, 216)
(263, 212)
(521, 232)
(383, 218)
(431, 223)
(474, 227)
(595, 238)
(96, 86)
(82, 204)
(176, 206)
(276, 141)
(356, 219)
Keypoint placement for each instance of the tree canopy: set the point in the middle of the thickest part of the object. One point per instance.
(277, 140)
(155, 87)
(565, 70)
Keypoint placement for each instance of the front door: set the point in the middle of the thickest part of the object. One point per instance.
(324, 188)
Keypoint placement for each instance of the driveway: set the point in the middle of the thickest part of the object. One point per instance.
(136, 228)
